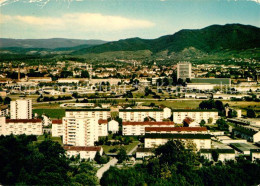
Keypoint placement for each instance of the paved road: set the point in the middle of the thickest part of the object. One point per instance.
(103, 169)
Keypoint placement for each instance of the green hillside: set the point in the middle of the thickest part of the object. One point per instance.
(215, 38)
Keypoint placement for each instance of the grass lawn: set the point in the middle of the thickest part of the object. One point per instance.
(175, 104)
(52, 113)
(129, 147)
(42, 138)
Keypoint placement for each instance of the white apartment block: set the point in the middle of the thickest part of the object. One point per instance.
(113, 126)
(130, 114)
(21, 109)
(102, 127)
(4, 111)
(196, 115)
(57, 128)
(202, 141)
(80, 131)
(138, 128)
(184, 70)
(84, 152)
(224, 154)
(20, 126)
(97, 113)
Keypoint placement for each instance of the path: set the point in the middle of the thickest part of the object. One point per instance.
(103, 169)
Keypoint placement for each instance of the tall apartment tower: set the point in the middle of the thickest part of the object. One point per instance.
(80, 126)
(184, 70)
(21, 109)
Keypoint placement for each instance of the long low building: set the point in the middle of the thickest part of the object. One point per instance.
(174, 130)
(130, 114)
(197, 115)
(85, 152)
(202, 141)
(138, 128)
(20, 126)
(57, 128)
(224, 154)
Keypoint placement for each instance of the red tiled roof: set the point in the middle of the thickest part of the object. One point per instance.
(82, 148)
(102, 121)
(179, 129)
(149, 123)
(23, 120)
(188, 120)
(57, 121)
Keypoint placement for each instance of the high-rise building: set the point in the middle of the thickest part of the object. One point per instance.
(21, 109)
(184, 70)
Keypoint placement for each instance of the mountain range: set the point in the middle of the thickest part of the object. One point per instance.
(209, 40)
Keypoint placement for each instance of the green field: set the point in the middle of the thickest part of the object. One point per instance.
(128, 148)
(52, 113)
(42, 138)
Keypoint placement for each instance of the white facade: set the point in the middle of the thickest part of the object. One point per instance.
(57, 128)
(196, 115)
(46, 120)
(224, 154)
(20, 126)
(256, 137)
(102, 128)
(21, 109)
(144, 152)
(113, 126)
(141, 114)
(80, 131)
(184, 70)
(201, 141)
(103, 114)
(138, 128)
(200, 86)
(83, 151)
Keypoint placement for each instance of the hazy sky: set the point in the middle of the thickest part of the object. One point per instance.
(119, 19)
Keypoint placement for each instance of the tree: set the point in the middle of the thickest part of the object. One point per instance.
(232, 113)
(7, 101)
(97, 157)
(222, 125)
(210, 120)
(202, 123)
(215, 155)
(251, 113)
(84, 74)
(122, 155)
(1, 99)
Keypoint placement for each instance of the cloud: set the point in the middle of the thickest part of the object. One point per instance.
(79, 21)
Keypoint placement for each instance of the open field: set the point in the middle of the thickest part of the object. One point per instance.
(129, 147)
(52, 113)
(42, 138)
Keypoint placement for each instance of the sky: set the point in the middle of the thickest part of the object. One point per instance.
(118, 19)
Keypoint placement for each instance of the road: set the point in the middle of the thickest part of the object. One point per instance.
(103, 169)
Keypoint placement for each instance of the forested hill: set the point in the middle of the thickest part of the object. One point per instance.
(211, 39)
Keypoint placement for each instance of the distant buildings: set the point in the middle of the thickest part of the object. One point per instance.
(184, 70)
(21, 109)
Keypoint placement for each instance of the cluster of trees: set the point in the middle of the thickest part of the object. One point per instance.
(24, 161)
(117, 140)
(175, 165)
(101, 159)
(5, 101)
(212, 104)
(52, 98)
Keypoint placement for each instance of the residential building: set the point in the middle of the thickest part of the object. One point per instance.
(39, 79)
(102, 127)
(201, 141)
(144, 152)
(97, 113)
(255, 154)
(80, 131)
(176, 130)
(20, 126)
(130, 114)
(197, 115)
(113, 126)
(224, 154)
(4, 111)
(138, 128)
(57, 128)
(184, 70)
(85, 152)
(21, 109)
